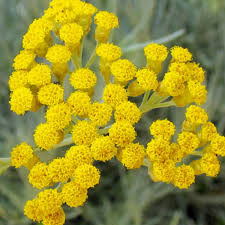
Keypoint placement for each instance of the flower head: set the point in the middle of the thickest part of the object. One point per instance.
(180, 54)
(156, 52)
(106, 20)
(24, 60)
(18, 79)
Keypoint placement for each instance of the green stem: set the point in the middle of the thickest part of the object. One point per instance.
(4, 164)
(145, 98)
(65, 142)
(76, 61)
(104, 130)
(197, 153)
(91, 59)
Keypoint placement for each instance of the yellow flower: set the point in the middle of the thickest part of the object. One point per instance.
(218, 145)
(39, 75)
(164, 171)
(128, 111)
(173, 83)
(79, 155)
(86, 176)
(39, 176)
(21, 155)
(207, 132)
(46, 136)
(24, 61)
(100, 114)
(79, 103)
(18, 79)
(123, 70)
(83, 79)
(59, 116)
(21, 100)
(106, 20)
(57, 218)
(71, 34)
(180, 54)
(103, 149)
(132, 156)
(158, 150)
(108, 52)
(114, 95)
(156, 52)
(196, 72)
(48, 202)
(176, 153)
(147, 79)
(73, 194)
(196, 115)
(122, 133)
(197, 91)
(210, 164)
(184, 177)
(50, 94)
(32, 211)
(188, 142)
(162, 129)
(84, 133)
(60, 170)
(58, 54)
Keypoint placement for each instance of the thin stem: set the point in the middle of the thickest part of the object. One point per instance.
(104, 130)
(5, 160)
(163, 40)
(197, 153)
(65, 142)
(76, 61)
(92, 58)
(145, 98)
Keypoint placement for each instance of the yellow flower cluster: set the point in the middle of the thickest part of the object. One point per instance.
(201, 138)
(100, 124)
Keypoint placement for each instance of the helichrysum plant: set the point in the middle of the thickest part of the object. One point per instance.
(104, 128)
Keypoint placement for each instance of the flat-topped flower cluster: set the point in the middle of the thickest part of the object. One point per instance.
(102, 130)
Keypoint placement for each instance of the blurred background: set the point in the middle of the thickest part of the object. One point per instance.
(126, 197)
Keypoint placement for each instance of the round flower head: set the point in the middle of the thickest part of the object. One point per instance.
(58, 54)
(46, 136)
(162, 129)
(60, 170)
(86, 176)
(100, 114)
(18, 79)
(106, 20)
(181, 68)
(158, 150)
(147, 79)
(21, 155)
(210, 164)
(79, 155)
(39, 75)
(32, 211)
(84, 133)
(196, 72)
(173, 83)
(103, 149)
(128, 111)
(176, 153)
(184, 177)
(21, 100)
(123, 70)
(79, 103)
(83, 79)
(24, 60)
(59, 116)
(57, 218)
(108, 52)
(73, 194)
(188, 142)
(196, 115)
(39, 176)
(208, 131)
(218, 145)
(114, 95)
(50, 94)
(132, 156)
(49, 201)
(122, 133)
(156, 52)
(164, 171)
(71, 34)
(180, 54)
(198, 92)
